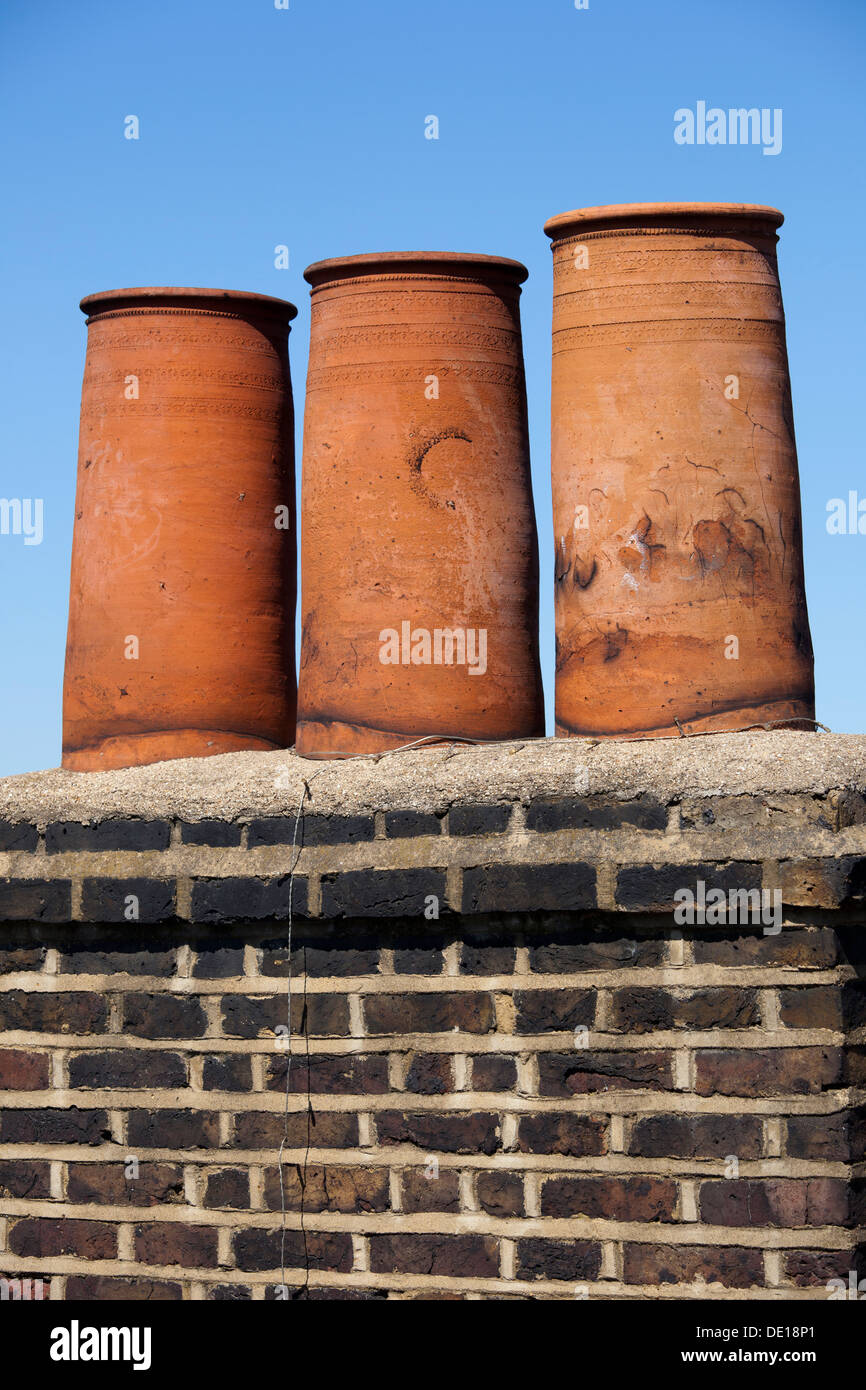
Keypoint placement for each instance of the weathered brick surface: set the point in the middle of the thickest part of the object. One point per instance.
(513, 1074)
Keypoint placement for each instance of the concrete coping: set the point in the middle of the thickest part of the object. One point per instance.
(240, 785)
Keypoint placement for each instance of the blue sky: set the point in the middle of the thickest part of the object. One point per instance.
(305, 127)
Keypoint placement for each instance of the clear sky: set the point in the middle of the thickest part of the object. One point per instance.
(305, 127)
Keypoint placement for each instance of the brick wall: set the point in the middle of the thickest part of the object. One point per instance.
(548, 1090)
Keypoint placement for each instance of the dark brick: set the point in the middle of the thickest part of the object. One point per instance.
(577, 1136)
(697, 1136)
(802, 1071)
(227, 1071)
(775, 1202)
(331, 1074)
(466, 1012)
(805, 949)
(648, 1010)
(493, 1073)
(483, 958)
(163, 1016)
(553, 1010)
(174, 1129)
(247, 899)
(597, 813)
(319, 1130)
(108, 900)
(439, 1192)
(222, 834)
(538, 1258)
(230, 1187)
(312, 830)
(651, 887)
(257, 1250)
(126, 1069)
(610, 1199)
(816, 1268)
(319, 1188)
(314, 1015)
(825, 883)
(584, 1071)
(21, 958)
(112, 958)
(41, 1236)
(157, 1184)
(500, 1194)
(817, 1006)
(23, 1071)
(24, 1178)
(529, 888)
(467, 1257)
(35, 900)
(839, 1137)
(430, 1074)
(442, 1131)
(598, 951)
(229, 1293)
(405, 824)
(23, 1011)
(382, 892)
(67, 1126)
(478, 819)
(18, 836)
(175, 1243)
(215, 961)
(63, 837)
(419, 960)
(730, 1266)
(93, 1288)
(320, 959)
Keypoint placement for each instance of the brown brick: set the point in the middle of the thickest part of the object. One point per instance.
(552, 1133)
(227, 1071)
(825, 1137)
(815, 1268)
(802, 1071)
(96, 1288)
(20, 1178)
(229, 1187)
(491, 1072)
(330, 1075)
(174, 1129)
(328, 1188)
(163, 1016)
(697, 1136)
(258, 1250)
(645, 1010)
(467, 1012)
(45, 1236)
(423, 1193)
(553, 1010)
(538, 1258)
(596, 950)
(775, 1202)
(156, 1184)
(822, 882)
(500, 1194)
(467, 1257)
(430, 1074)
(313, 1015)
(585, 1071)
(176, 1243)
(612, 1199)
(813, 948)
(23, 1071)
(689, 1264)
(445, 1131)
(322, 1129)
(818, 1006)
(29, 1012)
